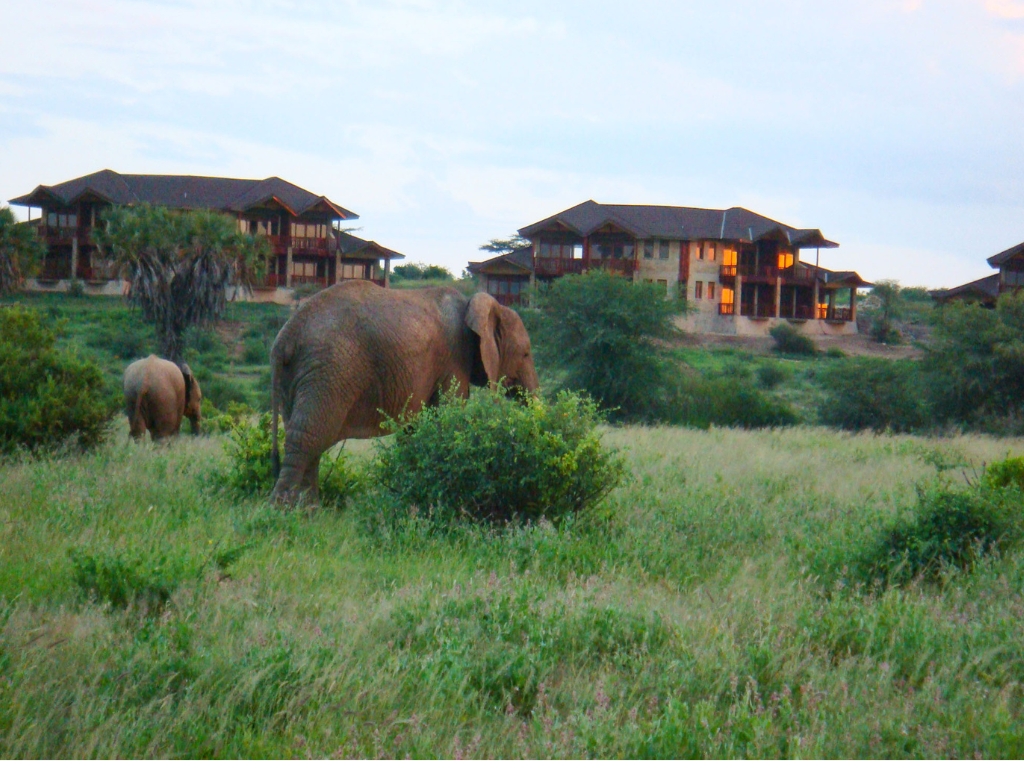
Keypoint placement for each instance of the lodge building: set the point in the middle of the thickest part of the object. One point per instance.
(307, 240)
(987, 290)
(740, 272)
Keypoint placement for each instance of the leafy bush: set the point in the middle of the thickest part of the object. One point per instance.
(789, 341)
(249, 474)
(123, 580)
(222, 391)
(597, 332)
(47, 395)
(76, 289)
(217, 421)
(876, 394)
(1004, 474)
(254, 352)
(770, 375)
(890, 309)
(835, 352)
(948, 528)
(492, 458)
(725, 401)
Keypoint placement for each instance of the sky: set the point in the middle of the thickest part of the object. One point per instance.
(894, 126)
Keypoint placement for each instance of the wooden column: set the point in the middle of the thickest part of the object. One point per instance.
(778, 295)
(816, 298)
(387, 272)
(74, 257)
(288, 268)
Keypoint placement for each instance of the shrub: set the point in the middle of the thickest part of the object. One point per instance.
(76, 289)
(789, 341)
(217, 421)
(597, 330)
(890, 309)
(492, 458)
(949, 528)
(254, 352)
(222, 391)
(249, 474)
(47, 395)
(725, 401)
(876, 394)
(835, 353)
(770, 375)
(122, 580)
(1004, 474)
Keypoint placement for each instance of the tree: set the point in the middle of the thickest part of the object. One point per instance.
(416, 271)
(890, 308)
(179, 265)
(505, 245)
(20, 251)
(599, 329)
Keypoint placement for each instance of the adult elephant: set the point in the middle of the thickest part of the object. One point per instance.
(158, 394)
(355, 351)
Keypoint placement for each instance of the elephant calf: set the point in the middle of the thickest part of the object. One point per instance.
(355, 351)
(157, 394)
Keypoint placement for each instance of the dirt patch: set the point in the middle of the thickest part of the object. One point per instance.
(230, 333)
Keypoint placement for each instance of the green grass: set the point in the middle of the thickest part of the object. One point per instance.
(704, 613)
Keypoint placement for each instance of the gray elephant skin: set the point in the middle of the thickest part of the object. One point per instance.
(157, 395)
(356, 350)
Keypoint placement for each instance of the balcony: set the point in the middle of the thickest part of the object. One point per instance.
(726, 309)
(761, 312)
(57, 235)
(314, 246)
(727, 270)
(765, 271)
(556, 267)
(624, 267)
(309, 280)
(799, 313)
(838, 315)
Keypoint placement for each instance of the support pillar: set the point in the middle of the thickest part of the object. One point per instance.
(74, 257)
(816, 314)
(387, 272)
(778, 297)
(288, 268)
(337, 267)
(737, 297)
(853, 304)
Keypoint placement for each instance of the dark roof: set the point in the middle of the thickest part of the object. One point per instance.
(356, 247)
(666, 221)
(1001, 258)
(189, 192)
(521, 258)
(986, 288)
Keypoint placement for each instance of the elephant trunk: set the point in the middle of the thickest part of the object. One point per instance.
(275, 455)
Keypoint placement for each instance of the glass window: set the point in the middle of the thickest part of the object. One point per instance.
(711, 291)
(663, 250)
(709, 251)
(51, 219)
(648, 249)
(785, 260)
(698, 290)
(628, 250)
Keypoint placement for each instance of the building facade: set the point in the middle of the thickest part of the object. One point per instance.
(987, 290)
(740, 272)
(304, 229)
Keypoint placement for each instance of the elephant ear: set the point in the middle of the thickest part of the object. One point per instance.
(483, 319)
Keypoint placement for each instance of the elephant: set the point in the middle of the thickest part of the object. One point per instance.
(157, 394)
(355, 351)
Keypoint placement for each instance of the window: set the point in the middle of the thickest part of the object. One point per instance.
(648, 249)
(304, 268)
(698, 290)
(709, 251)
(711, 291)
(701, 250)
(785, 260)
(62, 219)
(353, 271)
(663, 249)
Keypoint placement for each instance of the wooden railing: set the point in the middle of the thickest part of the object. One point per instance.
(321, 246)
(839, 315)
(726, 309)
(556, 266)
(309, 280)
(50, 234)
(762, 311)
(765, 270)
(624, 267)
(728, 270)
(800, 313)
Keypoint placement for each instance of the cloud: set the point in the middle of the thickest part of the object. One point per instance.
(1005, 9)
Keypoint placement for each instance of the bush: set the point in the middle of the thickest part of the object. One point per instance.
(725, 401)
(876, 394)
(76, 289)
(597, 331)
(949, 528)
(124, 580)
(249, 474)
(221, 391)
(835, 353)
(254, 352)
(789, 341)
(770, 375)
(494, 459)
(47, 395)
(1004, 474)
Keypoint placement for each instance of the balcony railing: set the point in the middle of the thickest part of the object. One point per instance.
(769, 271)
(747, 309)
(321, 246)
(800, 313)
(309, 280)
(838, 315)
(728, 270)
(51, 234)
(726, 309)
(555, 266)
(623, 267)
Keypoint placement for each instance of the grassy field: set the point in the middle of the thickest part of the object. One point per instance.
(704, 614)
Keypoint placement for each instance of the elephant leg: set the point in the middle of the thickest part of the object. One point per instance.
(309, 432)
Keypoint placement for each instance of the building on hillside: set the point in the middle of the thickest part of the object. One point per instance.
(304, 229)
(740, 272)
(987, 290)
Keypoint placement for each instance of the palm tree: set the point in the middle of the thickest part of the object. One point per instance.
(20, 251)
(179, 265)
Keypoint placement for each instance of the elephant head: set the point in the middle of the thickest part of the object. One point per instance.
(193, 399)
(504, 345)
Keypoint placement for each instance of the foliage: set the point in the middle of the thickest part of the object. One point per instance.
(873, 393)
(20, 251)
(416, 271)
(975, 365)
(890, 309)
(599, 332)
(789, 341)
(949, 529)
(771, 374)
(179, 265)
(724, 400)
(76, 289)
(1006, 473)
(47, 395)
(504, 245)
(122, 580)
(495, 459)
(248, 475)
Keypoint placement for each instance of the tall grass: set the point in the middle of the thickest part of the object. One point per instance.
(706, 613)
